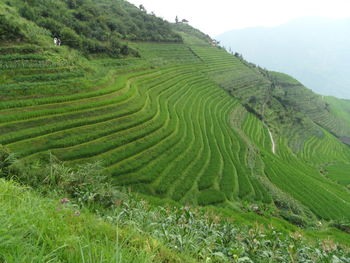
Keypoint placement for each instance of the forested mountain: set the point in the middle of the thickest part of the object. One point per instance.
(313, 50)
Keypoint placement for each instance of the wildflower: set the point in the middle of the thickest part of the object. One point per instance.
(64, 200)
(77, 213)
(254, 207)
(239, 237)
(118, 202)
(251, 232)
(216, 219)
(296, 235)
(329, 245)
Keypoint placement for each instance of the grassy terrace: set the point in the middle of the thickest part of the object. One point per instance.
(339, 172)
(327, 112)
(168, 124)
(144, 125)
(287, 171)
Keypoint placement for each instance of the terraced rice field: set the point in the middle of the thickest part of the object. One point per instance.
(325, 150)
(297, 176)
(231, 74)
(164, 124)
(166, 129)
(329, 113)
(339, 172)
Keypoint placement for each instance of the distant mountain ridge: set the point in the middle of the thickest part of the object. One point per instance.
(313, 50)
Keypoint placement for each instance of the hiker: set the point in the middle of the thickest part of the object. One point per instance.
(55, 41)
(58, 41)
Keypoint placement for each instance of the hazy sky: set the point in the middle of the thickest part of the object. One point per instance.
(218, 16)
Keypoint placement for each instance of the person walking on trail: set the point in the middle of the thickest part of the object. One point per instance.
(57, 41)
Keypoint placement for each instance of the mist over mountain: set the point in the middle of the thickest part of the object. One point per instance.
(313, 50)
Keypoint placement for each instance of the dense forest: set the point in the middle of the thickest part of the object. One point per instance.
(102, 26)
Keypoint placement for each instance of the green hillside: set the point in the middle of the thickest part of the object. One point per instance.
(93, 27)
(162, 124)
(178, 119)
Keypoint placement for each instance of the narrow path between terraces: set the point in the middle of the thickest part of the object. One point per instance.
(273, 142)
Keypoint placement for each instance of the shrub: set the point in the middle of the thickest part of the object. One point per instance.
(87, 183)
(343, 225)
(115, 46)
(52, 25)
(27, 12)
(93, 46)
(6, 160)
(293, 218)
(70, 38)
(9, 30)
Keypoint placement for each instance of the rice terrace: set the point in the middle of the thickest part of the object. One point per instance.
(160, 125)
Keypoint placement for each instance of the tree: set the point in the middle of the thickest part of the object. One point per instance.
(9, 30)
(72, 4)
(54, 26)
(70, 38)
(142, 8)
(27, 12)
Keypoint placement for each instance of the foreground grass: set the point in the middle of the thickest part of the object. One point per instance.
(37, 229)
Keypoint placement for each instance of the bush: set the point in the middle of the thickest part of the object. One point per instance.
(87, 183)
(294, 219)
(9, 30)
(52, 25)
(27, 12)
(343, 225)
(115, 46)
(70, 38)
(93, 46)
(6, 161)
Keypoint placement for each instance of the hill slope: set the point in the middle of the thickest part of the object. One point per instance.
(313, 50)
(186, 121)
(93, 27)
